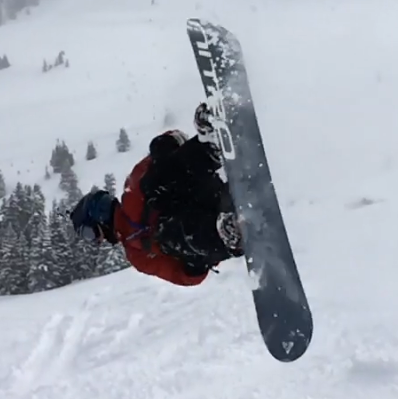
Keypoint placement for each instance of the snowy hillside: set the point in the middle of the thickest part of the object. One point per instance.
(324, 77)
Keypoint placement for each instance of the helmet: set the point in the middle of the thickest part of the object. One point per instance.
(164, 144)
(93, 215)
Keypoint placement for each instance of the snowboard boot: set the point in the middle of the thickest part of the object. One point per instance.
(228, 230)
(203, 126)
(206, 132)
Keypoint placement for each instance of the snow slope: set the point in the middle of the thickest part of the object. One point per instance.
(325, 84)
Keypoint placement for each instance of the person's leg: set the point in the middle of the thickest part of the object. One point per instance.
(192, 237)
(188, 192)
(173, 181)
(202, 237)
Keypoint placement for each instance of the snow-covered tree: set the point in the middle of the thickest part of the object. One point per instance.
(13, 263)
(44, 68)
(61, 157)
(3, 12)
(91, 152)
(37, 218)
(10, 8)
(110, 183)
(3, 190)
(123, 143)
(60, 58)
(47, 174)
(110, 259)
(43, 271)
(61, 245)
(85, 261)
(16, 209)
(70, 184)
(4, 63)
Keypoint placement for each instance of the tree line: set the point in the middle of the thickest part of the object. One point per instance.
(9, 9)
(40, 251)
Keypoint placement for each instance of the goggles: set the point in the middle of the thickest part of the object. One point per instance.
(89, 233)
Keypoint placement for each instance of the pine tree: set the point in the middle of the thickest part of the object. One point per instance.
(61, 157)
(3, 190)
(101, 261)
(47, 175)
(39, 198)
(67, 175)
(110, 183)
(23, 254)
(9, 212)
(48, 264)
(123, 143)
(70, 184)
(43, 274)
(35, 256)
(85, 259)
(111, 259)
(8, 278)
(3, 12)
(25, 200)
(13, 263)
(3, 215)
(6, 63)
(37, 217)
(61, 246)
(37, 203)
(16, 210)
(45, 66)
(59, 59)
(25, 203)
(91, 151)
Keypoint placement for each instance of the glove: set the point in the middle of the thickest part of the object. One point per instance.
(202, 119)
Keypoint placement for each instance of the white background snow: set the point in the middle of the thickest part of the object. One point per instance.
(324, 77)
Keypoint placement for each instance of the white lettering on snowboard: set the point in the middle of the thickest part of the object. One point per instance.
(215, 100)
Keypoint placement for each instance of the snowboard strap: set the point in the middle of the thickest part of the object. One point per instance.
(146, 241)
(141, 228)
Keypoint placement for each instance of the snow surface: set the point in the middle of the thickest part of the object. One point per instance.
(324, 77)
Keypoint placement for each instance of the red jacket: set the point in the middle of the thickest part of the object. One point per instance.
(152, 262)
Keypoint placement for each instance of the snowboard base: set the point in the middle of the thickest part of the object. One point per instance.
(283, 313)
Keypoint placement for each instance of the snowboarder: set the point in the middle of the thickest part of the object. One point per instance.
(176, 218)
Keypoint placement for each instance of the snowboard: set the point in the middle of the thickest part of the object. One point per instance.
(283, 312)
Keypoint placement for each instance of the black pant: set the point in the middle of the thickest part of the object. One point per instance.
(185, 187)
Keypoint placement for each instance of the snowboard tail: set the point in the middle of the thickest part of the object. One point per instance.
(283, 313)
